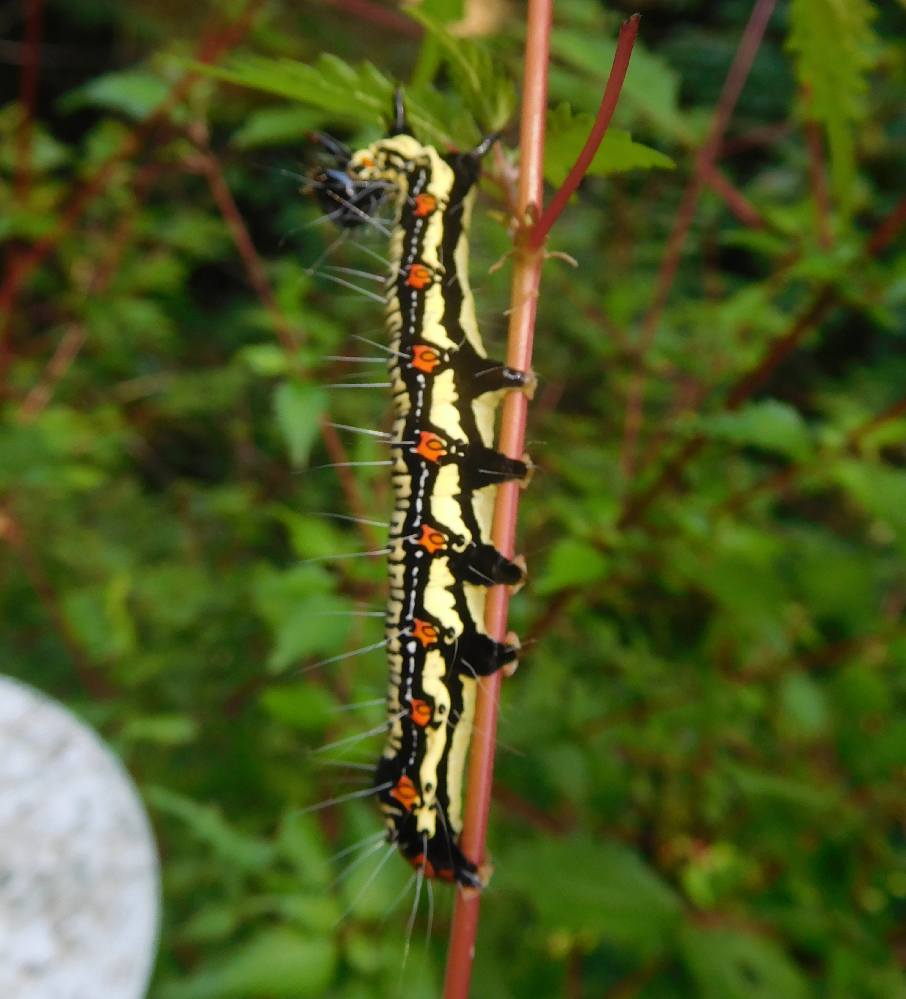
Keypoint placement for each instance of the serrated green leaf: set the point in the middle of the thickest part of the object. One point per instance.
(769, 425)
(571, 563)
(209, 826)
(277, 127)
(651, 87)
(132, 92)
(304, 706)
(567, 134)
(730, 965)
(277, 964)
(298, 407)
(598, 889)
(486, 89)
(834, 46)
(166, 730)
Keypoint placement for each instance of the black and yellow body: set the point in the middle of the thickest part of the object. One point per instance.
(445, 475)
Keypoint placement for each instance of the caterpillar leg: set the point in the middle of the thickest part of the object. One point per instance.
(483, 565)
(479, 655)
(501, 378)
(483, 466)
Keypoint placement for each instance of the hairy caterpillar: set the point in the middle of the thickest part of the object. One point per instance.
(445, 472)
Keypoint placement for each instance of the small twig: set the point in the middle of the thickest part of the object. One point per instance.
(782, 347)
(818, 175)
(732, 197)
(625, 43)
(384, 16)
(524, 299)
(207, 164)
(886, 233)
(76, 336)
(93, 682)
(892, 412)
(748, 384)
(28, 95)
(57, 366)
(736, 78)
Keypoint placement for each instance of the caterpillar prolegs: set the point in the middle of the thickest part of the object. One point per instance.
(445, 474)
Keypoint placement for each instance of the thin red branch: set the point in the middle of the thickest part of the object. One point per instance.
(782, 347)
(28, 94)
(75, 338)
(94, 682)
(208, 164)
(886, 233)
(732, 197)
(57, 366)
(526, 281)
(386, 17)
(747, 385)
(818, 177)
(735, 81)
(625, 43)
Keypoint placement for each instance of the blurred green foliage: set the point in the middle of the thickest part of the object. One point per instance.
(701, 784)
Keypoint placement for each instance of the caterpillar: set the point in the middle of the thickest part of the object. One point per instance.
(445, 472)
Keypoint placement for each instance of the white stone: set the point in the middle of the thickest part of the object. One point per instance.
(79, 878)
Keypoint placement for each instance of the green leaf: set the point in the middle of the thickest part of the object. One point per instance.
(483, 85)
(277, 126)
(277, 964)
(298, 407)
(651, 87)
(598, 889)
(132, 92)
(166, 730)
(361, 95)
(769, 425)
(566, 135)
(730, 965)
(304, 706)
(571, 563)
(210, 827)
(834, 47)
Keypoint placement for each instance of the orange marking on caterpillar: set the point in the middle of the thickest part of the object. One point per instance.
(432, 539)
(419, 277)
(425, 204)
(425, 632)
(421, 712)
(424, 358)
(405, 793)
(430, 446)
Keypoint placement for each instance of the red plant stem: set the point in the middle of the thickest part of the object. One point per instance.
(526, 280)
(819, 183)
(750, 382)
(887, 231)
(28, 94)
(625, 42)
(732, 197)
(93, 682)
(254, 268)
(736, 78)
(208, 164)
(386, 17)
(57, 366)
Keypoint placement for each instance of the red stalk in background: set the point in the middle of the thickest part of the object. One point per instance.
(704, 168)
(528, 260)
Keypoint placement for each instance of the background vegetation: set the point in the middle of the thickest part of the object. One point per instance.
(702, 770)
